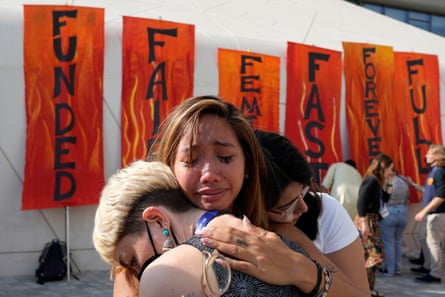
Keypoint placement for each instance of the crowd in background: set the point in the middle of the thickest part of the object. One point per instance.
(381, 213)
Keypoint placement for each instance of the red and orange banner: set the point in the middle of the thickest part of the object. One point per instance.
(251, 81)
(63, 65)
(313, 104)
(417, 117)
(370, 104)
(158, 71)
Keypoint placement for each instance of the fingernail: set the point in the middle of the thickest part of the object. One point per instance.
(248, 225)
(206, 241)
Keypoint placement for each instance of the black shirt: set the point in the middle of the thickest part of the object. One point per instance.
(369, 196)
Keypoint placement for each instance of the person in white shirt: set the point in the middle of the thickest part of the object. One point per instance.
(342, 181)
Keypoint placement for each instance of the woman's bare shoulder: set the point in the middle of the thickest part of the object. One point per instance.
(176, 273)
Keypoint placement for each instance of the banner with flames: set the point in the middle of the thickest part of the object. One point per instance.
(251, 81)
(392, 99)
(313, 104)
(370, 104)
(158, 71)
(417, 114)
(63, 67)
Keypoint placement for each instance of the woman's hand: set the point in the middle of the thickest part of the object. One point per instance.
(364, 227)
(265, 256)
(261, 254)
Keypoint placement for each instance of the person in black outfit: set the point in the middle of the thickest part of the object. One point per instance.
(368, 207)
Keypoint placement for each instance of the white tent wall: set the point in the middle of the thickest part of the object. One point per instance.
(256, 25)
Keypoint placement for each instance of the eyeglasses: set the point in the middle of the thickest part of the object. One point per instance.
(287, 209)
(217, 274)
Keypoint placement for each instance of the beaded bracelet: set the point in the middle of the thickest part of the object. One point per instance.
(316, 290)
(328, 282)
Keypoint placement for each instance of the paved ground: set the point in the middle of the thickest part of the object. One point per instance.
(90, 284)
(97, 284)
(405, 285)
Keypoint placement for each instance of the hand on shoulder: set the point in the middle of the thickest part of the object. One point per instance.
(262, 254)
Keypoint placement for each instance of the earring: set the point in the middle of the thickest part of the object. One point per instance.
(246, 176)
(168, 243)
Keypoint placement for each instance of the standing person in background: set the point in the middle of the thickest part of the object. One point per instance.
(368, 220)
(432, 215)
(342, 181)
(395, 197)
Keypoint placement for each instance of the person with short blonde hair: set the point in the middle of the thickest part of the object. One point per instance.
(432, 216)
(119, 210)
(145, 224)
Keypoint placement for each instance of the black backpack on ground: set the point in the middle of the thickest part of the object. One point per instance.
(52, 262)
